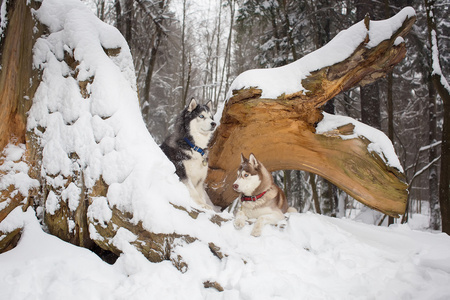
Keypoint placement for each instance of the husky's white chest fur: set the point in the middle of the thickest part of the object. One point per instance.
(197, 165)
(196, 169)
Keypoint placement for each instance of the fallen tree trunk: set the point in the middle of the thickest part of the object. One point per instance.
(281, 131)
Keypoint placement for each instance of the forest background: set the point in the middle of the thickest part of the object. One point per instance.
(184, 49)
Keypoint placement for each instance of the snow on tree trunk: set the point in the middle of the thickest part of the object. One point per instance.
(274, 114)
(443, 88)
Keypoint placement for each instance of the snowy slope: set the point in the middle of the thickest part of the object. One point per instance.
(308, 257)
(314, 257)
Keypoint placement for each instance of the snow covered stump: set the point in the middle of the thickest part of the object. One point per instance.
(276, 114)
(73, 145)
(75, 153)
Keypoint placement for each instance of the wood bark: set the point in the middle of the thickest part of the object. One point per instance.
(15, 100)
(16, 72)
(281, 133)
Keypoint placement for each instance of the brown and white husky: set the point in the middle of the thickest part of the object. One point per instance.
(261, 198)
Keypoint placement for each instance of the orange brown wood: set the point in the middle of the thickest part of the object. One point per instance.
(281, 133)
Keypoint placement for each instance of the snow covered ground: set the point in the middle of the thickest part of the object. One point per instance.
(309, 257)
(313, 257)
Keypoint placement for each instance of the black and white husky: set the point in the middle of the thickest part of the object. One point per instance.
(187, 149)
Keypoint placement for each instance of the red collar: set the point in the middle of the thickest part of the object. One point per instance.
(252, 198)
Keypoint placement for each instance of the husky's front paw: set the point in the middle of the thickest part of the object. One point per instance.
(257, 229)
(239, 223)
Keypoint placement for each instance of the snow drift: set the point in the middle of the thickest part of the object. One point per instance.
(314, 257)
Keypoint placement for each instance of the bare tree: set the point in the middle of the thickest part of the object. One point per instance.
(443, 90)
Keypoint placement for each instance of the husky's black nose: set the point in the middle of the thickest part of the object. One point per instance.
(213, 125)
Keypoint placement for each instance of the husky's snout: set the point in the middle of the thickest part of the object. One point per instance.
(213, 125)
(236, 187)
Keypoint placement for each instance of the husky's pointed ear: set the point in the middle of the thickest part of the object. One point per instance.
(209, 105)
(252, 159)
(243, 159)
(192, 105)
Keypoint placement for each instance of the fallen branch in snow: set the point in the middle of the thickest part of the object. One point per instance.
(274, 116)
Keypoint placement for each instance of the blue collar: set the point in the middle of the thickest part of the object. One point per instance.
(192, 145)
